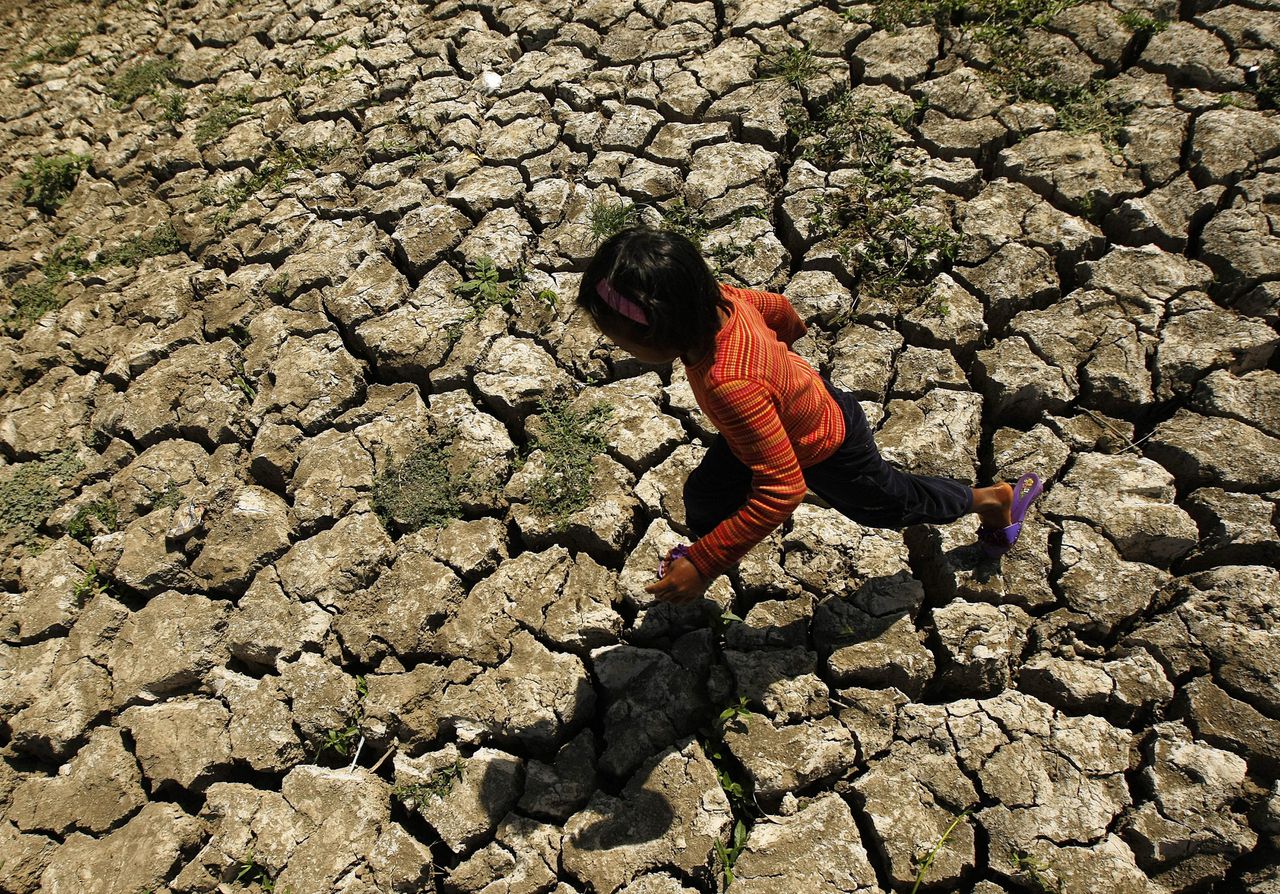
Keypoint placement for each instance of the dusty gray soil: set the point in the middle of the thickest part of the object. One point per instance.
(223, 668)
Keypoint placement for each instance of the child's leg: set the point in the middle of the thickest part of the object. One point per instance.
(993, 504)
(716, 489)
(858, 483)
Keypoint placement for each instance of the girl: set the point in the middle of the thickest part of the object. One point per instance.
(783, 428)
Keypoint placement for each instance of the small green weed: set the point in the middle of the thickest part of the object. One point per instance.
(170, 497)
(874, 222)
(1081, 108)
(138, 80)
(32, 300)
(608, 217)
(929, 858)
(1268, 85)
(88, 587)
(278, 288)
(63, 48)
(736, 714)
(877, 232)
(727, 856)
(741, 797)
(985, 18)
(1017, 70)
(51, 179)
(680, 218)
(328, 46)
(439, 785)
(796, 66)
(568, 438)
(241, 381)
(271, 174)
(341, 739)
(251, 873)
(842, 128)
(163, 240)
(424, 490)
(1034, 869)
(1140, 23)
(174, 104)
(82, 526)
(29, 492)
(226, 111)
(487, 288)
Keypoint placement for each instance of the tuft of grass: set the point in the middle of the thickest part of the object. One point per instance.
(62, 48)
(841, 129)
(1081, 108)
(226, 111)
(174, 104)
(29, 492)
(983, 18)
(138, 80)
(424, 490)
(271, 174)
(163, 240)
(32, 300)
(929, 858)
(252, 873)
(875, 228)
(170, 497)
(1002, 26)
(569, 438)
(88, 587)
(51, 179)
(796, 66)
(1140, 23)
(99, 515)
(608, 217)
(680, 218)
(278, 288)
(874, 223)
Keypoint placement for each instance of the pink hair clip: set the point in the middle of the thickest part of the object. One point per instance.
(621, 303)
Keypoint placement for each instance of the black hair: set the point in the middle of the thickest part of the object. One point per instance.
(665, 274)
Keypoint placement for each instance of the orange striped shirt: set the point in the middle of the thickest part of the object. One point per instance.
(773, 411)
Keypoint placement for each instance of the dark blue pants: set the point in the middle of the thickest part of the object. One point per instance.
(855, 480)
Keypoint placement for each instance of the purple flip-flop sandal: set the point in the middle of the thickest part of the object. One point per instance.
(677, 553)
(995, 542)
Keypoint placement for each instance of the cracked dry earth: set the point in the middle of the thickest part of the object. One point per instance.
(242, 678)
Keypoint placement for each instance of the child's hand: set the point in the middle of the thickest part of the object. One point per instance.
(681, 584)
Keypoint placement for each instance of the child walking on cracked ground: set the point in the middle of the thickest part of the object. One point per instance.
(784, 429)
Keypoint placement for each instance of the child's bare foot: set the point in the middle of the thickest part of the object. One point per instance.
(994, 505)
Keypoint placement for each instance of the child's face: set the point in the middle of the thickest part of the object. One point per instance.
(642, 352)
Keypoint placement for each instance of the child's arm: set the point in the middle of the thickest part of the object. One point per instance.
(777, 311)
(749, 422)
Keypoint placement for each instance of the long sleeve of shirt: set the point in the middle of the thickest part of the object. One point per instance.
(750, 424)
(778, 314)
